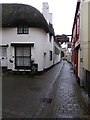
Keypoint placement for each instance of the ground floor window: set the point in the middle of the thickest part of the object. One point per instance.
(3, 56)
(22, 57)
(3, 52)
(50, 55)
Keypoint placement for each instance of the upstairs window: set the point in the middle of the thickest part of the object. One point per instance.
(50, 37)
(23, 30)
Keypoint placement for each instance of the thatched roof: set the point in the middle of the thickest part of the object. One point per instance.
(14, 15)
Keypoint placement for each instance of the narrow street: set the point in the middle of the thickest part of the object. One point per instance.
(45, 59)
(55, 94)
(68, 99)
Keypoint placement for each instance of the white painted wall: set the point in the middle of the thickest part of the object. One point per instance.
(0, 35)
(85, 33)
(48, 46)
(36, 35)
(57, 58)
(89, 36)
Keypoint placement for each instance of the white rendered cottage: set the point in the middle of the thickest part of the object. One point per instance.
(26, 35)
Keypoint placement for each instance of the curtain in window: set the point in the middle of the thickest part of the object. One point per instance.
(3, 52)
(23, 56)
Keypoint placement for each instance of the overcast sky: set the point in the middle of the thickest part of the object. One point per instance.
(63, 12)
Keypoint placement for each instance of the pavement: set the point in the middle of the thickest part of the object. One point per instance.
(54, 94)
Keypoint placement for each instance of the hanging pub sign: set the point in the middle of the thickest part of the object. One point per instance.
(62, 38)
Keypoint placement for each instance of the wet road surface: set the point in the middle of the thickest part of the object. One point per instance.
(67, 98)
(54, 94)
(22, 94)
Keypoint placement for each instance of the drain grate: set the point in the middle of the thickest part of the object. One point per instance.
(47, 100)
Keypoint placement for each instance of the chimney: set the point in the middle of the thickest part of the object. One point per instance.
(79, 1)
(45, 11)
(50, 18)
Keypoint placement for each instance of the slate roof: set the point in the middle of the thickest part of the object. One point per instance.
(14, 15)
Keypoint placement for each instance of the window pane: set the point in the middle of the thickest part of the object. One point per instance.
(23, 56)
(26, 51)
(19, 51)
(19, 61)
(3, 52)
(23, 30)
(26, 30)
(26, 61)
(23, 61)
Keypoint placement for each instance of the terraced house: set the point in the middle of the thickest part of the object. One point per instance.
(27, 36)
(81, 43)
(85, 42)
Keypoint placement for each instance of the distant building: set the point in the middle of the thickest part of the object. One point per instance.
(27, 36)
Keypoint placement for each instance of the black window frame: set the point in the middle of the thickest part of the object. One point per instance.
(22, 30)
(22, 67)
(50, 55)
(50, 37)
